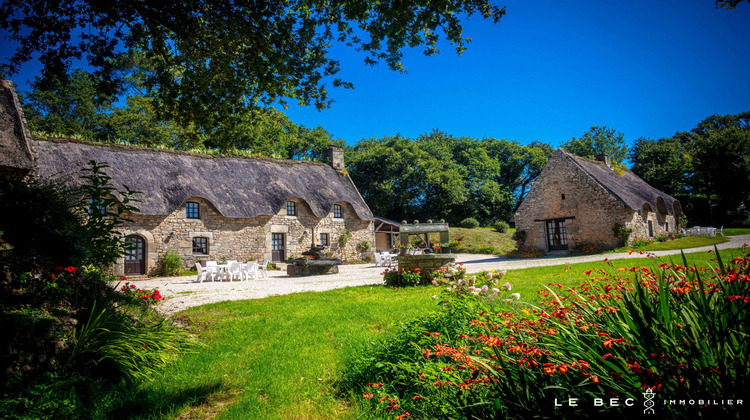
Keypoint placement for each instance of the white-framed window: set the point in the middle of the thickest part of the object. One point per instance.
(337, 211)
(291, 208)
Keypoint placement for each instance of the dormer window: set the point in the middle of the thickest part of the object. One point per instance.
(337, 214)
(192, 210)
(291, 208)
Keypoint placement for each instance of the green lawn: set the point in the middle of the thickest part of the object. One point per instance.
(736, 231)
(681, 243)
(483, 240)
(280, 357)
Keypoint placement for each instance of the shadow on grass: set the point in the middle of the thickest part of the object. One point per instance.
(148, 403)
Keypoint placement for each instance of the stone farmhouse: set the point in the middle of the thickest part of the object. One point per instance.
(577, 201)
(203, 207)
(212, 208)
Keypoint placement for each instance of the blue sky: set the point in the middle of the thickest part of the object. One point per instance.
(549, 70)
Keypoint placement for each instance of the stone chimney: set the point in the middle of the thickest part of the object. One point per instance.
(335, 157)
(603, 158)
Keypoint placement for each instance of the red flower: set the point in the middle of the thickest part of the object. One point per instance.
(595, 379)
(367, 395)
(607, 355)
(401, 417)
(417, 397)
(70, 269)
(375, 384)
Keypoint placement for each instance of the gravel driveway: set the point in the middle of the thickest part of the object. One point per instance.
(183, 292)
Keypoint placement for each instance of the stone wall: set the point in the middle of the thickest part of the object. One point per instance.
(243, 239)
(564, 190)
(661, 225)
(426, 263)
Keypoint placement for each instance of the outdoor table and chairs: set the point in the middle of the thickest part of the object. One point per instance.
(384, 259)
(705, 231)
(231, 269)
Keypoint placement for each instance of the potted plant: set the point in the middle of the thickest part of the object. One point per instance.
(445, 248)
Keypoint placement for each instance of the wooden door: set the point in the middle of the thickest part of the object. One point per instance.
(135, 252)
(277, 247)
(557, 235)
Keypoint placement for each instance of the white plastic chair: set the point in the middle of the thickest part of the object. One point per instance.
(250, 269)
(264, 268)
(235, 269)
(203, 273)
(721, 231)
(378, 259)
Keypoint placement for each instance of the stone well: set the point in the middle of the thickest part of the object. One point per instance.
(426, 263)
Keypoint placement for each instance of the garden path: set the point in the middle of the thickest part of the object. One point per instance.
(183, 292)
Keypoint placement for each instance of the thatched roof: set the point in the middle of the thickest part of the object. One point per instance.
(628, 187)
(237, 186)
(16, 157)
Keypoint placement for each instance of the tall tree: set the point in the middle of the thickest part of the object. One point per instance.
(599, 140)
(66, 107)
(665, 164)
(212, 58)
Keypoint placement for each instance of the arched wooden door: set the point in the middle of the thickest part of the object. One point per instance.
(135, 255)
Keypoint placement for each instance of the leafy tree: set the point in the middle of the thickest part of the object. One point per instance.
(68, 106)
(665, 164)
(730, 4)
(210, 59)
(721, 152)
(599, 140)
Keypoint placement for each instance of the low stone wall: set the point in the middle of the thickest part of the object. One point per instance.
(426, 263)
(311, 270)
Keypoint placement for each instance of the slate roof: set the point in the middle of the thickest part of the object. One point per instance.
(628, 187)
(238, 187)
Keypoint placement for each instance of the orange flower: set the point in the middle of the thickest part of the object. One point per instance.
(403, 416)
(367, 395)
(595, 379)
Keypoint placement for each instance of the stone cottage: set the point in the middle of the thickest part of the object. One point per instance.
(577, 201)
(212, 208)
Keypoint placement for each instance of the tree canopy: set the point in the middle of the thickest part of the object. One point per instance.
(439, 176)
(599, 140)
(706, 168)
(208, 59)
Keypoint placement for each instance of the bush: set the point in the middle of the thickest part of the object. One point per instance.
(667, 331)
(344, 238)
(469, 223)
(622, 232)
(401, 278)
(502, 227)
(170, 263)
(363, 246)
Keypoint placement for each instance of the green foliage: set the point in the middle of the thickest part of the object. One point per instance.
(363, 246)
(170, 263)
(469, 223)
(700, 168)
(502, 227)
(202, 58)
(622, 232)
(394, 277)
(520, 237)
(599, 140)
(112, 342)
(344, 238)
(438, 176)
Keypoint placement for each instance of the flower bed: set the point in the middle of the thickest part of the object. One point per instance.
(673, 332)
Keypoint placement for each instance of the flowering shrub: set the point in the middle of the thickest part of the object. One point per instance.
(402, 277)
(525, 253)
(589, 249)
(677, 331)
(130, 293)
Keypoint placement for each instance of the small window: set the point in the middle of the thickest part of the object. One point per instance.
(97, 207)
(291, 208)
(200, 246)
(324, 239)
(563, 196)
(337, 211)
(666, 226)
(192, 210)
(650, 228)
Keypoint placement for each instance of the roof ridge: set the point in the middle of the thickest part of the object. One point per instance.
(135, 148)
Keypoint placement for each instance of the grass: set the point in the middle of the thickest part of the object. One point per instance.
(483, 240)
(280, 357)
(681, 243)
(736, 231)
